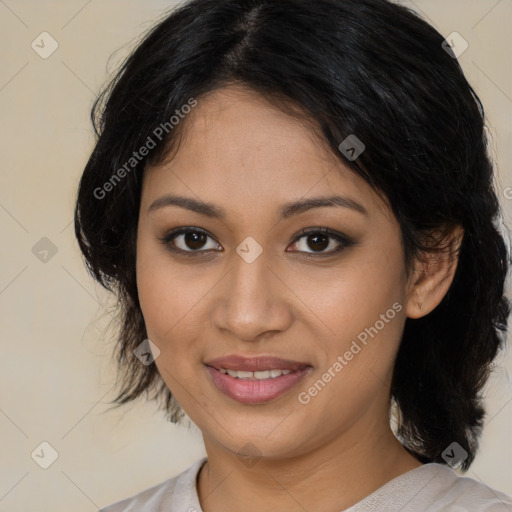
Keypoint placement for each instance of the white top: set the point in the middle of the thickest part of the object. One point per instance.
(432, 487)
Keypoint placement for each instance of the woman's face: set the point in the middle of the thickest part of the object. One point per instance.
(246, 285)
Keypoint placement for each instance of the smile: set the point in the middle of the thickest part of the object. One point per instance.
(260, 375)
(255, 380)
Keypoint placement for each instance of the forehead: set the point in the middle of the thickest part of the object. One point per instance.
(239, 148)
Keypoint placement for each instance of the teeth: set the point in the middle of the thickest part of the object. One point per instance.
(260, 375)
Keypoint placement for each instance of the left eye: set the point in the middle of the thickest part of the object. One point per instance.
(192, 241)
(320, 239)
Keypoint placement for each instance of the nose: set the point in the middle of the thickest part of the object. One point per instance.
(252, 301)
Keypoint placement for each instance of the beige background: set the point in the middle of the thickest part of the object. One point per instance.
(55, 374)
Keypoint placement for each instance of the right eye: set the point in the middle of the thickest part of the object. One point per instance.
(188, 241)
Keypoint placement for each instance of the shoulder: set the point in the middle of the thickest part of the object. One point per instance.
(434, 488)
(440, 488)
(463, 493)
(177, 493)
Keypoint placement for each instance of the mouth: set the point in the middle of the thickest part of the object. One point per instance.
(259, 375)
(255, 380)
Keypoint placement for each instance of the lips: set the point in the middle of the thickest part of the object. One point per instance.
(255, 363)
(255, 379)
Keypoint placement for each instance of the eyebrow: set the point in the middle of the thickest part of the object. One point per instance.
(287, 210)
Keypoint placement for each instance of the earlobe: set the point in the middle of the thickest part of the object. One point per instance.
(433, 275)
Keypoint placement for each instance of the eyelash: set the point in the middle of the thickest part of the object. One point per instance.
(343, 240)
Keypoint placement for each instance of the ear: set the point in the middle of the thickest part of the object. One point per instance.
(433, 274)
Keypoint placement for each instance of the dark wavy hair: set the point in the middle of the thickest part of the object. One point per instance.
(366, 67)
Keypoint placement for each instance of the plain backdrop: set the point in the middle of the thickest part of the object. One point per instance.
(56, 373)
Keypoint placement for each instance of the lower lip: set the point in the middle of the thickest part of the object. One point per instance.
(255, 391)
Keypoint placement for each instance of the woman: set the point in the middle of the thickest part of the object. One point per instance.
(293, 202)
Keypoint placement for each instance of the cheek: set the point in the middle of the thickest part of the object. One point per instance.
(171, 297)
(154, 289)
(364, 311)
(163, 301)
(164, 290)
(353, 296)
(167, 300)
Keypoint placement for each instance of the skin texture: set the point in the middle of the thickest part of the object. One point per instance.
(248, 158)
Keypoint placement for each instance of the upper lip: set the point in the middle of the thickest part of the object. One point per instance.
(254, 363)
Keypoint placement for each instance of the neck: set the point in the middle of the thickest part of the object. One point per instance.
(332, 477)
